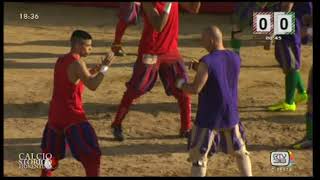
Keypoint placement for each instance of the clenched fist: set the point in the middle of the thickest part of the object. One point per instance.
(109, 58)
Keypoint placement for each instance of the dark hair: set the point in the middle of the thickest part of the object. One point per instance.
(79, 35)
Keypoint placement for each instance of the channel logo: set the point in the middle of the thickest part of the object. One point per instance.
(282, 158)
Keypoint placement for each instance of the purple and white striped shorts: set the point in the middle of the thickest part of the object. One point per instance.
(205, 142)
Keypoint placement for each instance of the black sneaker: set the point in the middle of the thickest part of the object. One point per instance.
(117, 133)
(185, 134)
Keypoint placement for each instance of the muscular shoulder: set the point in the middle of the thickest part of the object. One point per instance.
(76, 66)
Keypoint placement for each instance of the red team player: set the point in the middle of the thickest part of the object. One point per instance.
(158, 52)
(67, 120)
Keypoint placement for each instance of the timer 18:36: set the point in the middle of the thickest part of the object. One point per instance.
(31, 16)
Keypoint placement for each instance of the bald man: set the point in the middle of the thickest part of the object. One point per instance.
(217, 126)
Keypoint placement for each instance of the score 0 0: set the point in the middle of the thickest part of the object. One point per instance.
(277, 23)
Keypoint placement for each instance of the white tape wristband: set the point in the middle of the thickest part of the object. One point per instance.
(180, 83)
(104, 69)
(167, 8)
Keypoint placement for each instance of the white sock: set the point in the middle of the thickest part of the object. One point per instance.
(244, 164)
(198, 171)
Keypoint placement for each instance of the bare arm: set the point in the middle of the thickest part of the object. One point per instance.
(91, 81)
(199, 81)
(95, 69)
(192, 7)
(157, 20)
(286, 6)
(78, 70)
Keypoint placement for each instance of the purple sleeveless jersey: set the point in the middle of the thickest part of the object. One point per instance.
(218, 100)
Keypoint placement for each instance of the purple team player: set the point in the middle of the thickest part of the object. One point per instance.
(288, 54)
(217, 126)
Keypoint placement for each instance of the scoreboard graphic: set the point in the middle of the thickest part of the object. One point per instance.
(274, 23)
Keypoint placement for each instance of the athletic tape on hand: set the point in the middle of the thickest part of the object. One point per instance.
(104, 69)
(180, 82)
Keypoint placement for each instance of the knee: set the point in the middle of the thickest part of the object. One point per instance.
(133, 93)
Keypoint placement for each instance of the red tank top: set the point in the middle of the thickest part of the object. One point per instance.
(66, 103)
(153, 42)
